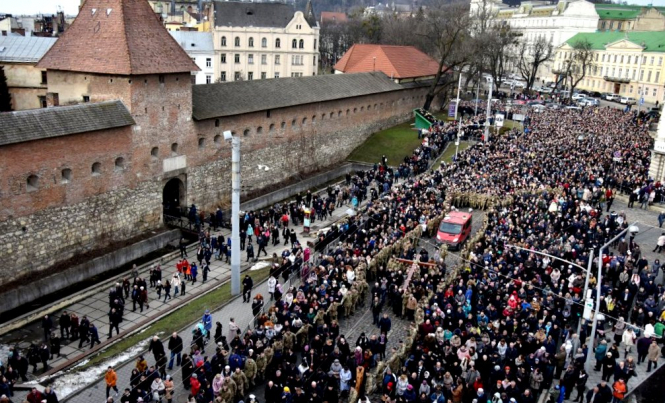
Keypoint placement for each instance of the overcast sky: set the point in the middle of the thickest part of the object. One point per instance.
(70, 7)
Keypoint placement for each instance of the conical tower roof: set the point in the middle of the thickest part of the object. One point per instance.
(119, 37)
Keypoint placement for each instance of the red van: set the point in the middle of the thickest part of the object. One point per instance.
(454, 229)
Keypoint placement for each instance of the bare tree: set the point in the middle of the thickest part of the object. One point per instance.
(446, 27)
(531, 57)
(497, 47)
(578, 63)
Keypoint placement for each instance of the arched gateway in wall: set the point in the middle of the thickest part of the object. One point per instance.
(174, 196)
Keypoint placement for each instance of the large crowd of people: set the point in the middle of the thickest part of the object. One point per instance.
(499, 327)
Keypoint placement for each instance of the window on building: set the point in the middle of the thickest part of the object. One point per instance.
(174, 149)
(611, 24)
(216, 122)
(222, 77)
(314, 61)
(657, 77)
(294, 44)
(202, 143)
(628, 60)
(237, 42)
(208, 62)
(621, 58)
(301, 44)
(222, 58)
(32, 183)
(223, 41)
(236, 58)
(278, 43)
(615, 58)
(660, 61)
(236, 76)
(276, 75)
(154, 153)
(86, 98)
(603, 58)
(208, 78)
(259, 130)
(602, 25)
(250, 42)
(263, 75)
(160, 78)
(44, 78)
(66, 175)
(271, 128)
(654, 91)
(264, 42)
(246, 132)
(619, 73)
(630, 90)
(264, 59)
(619, 25)
(96, 169)
(250, 76)
(652, 60)
(649, 76)
(276, 59)
(641, 75)
(250, 59)
(314, 44)
(634, 72)
(119, 164)
(42, 101)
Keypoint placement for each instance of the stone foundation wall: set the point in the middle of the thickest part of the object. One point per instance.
(61, 220)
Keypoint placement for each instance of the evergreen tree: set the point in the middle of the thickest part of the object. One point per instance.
(5, 96)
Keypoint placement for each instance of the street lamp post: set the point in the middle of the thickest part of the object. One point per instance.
(489, 110)
(632, 229)
(235, 211)
(459, 87)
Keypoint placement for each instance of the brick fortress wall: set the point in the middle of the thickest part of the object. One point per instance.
(57, 221)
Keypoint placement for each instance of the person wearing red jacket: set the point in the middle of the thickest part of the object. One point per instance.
(35, 396)
(196, 385)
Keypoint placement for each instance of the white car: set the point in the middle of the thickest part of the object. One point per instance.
(627, 101)
(589, 102)
(545, 90)
(519, 84)
(578, 97)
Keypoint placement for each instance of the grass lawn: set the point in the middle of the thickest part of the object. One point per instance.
(395, 143)
(448, 155)
(179, 319)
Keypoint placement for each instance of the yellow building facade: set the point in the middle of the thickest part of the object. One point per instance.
(629, 64)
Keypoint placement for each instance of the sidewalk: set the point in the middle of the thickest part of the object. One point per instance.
(96, 307)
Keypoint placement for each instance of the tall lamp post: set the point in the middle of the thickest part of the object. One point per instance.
(489, 109)
(235, 211)
(633, 229)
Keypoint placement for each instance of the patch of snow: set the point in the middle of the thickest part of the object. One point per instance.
(68, 382)
(259, 266)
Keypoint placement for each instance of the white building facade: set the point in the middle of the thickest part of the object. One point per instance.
(538, 19)
(199, 46)
(255, 41)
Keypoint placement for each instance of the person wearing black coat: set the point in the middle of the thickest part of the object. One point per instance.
(187, 371)
(64, 322)
(156, 347)
(175, 347)
(609, 362)
(643, 344)
(114, 322)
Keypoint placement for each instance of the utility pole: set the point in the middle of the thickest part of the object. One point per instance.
(235, 211)
(489, 110)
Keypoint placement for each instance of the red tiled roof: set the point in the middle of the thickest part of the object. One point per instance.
(123, 37)
(393, 61)
(329, 16)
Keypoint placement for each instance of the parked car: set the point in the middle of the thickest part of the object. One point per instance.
(545, 90)
(589, 102)
(577, 108)
(519, 84)
(627, 101)
(595, 94)
(578, 96)
(612, 97)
